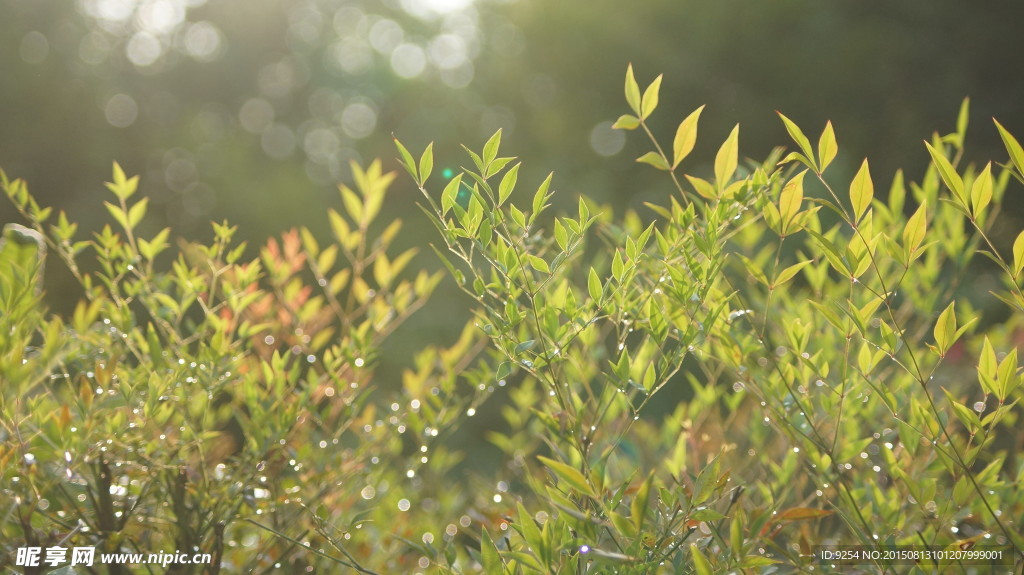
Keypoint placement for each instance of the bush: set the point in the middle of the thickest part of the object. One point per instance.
(843, 383)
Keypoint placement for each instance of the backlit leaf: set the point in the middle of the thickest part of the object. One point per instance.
(1012, 147)
(650, 99)
(632, 91)
(862, 191)
(827, 147)
(981, 191)
(653, 159)
(686, 137)
(727, 158)
(801, 140)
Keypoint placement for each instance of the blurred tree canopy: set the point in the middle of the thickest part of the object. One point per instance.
(251, 111)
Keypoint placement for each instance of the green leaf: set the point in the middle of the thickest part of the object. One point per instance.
(407, 162)
(700, 562)
(949, 174)
(827, 147)
(626, 122)
(508, 183)
(801, 140)
(524, 346)
(703, 187)
(686, 137)
(541, 196)
(961, 119)
(504, 370)
(491, 148)
(650, 99)
(1018, 255)
(862, 192)
(788, 273)
(632, 91)
(118, 214)
(538, 263)
(450, 194)
(594, 287)
(1012, 147)
(352, 204)
(426, 163)
(790, 200)
(653, 159)
(531, 533)
(568, 474)
(727, 158)
(137, 212)
(489, 557)
(945, 329)
(753, 269)
(915, 231)
(981, 191)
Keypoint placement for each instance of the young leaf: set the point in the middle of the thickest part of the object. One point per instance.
(137, 212)
(568, 474)
(626, 122)
(426, 163)
(790, 200)
(981, 191)
(489, 557)
(1012, 147)
(653, 159)
(450, 194)
(632, 91)
(700, 562)
(788, 273)
(650, 99)
(508, 183)
(406, 159)
(945, 329)
(727, 158)
(827, 147)
(801, 140)
(948, 173)
(915, 231)
(862, 191)
(594, 287)
(1018, 255)
(491, 148)
(541, 196)
(686, 137)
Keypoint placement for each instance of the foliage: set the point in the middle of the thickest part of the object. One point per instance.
(842, 384)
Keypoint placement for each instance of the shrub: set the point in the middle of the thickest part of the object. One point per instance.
(842, 384)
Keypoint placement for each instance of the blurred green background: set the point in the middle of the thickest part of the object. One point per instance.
(251, 110)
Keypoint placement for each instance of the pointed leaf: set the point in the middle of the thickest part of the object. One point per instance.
(137, 212)
(916, 228)
(801, 140)
(650, 100)
(727, 158)
(945, 329)
(1012, 147)
(632, 91)
(686, 137)
(788, 273)
(426, 163)
(827, 147)
(700, 563)
(568, 474)
(948, 173)
(1018, 255)
(508, 183)
(491, 148)
(790, 200)
(981, 191)
(862, 192)
(626, 122)
(406, 159)
(653, 159)
(594, 287)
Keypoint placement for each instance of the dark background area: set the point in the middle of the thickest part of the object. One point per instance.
(250, 111)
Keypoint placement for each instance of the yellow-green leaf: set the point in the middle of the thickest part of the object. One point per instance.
(915, 231)
(626, 122)
(1018, 255)
(137, 212)
(801, 140)
(788, 273)
(727, 158)
(426, 163)
(981, 191)
(790, 200)
(1012, 147)
(594, 287)
(700, 563)
(568, 474)
(862, 191)
(945, 329)
(508, 183)
(948, 173)
(827, 147)
(653, 159)
(686, 137)
(406, 159)
(632, 90)
(650, 100)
